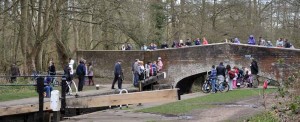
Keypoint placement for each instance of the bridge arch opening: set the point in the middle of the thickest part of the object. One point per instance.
(186, 84)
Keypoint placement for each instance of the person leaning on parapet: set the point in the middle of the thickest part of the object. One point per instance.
(254, 72)
(205, 42)
(251, 40)
(14, 70)
(236, 41)
(261, 41)
(279, 43)
(144, 47)
(221, 72)
(197, 41)
(117, 75)
(164, 45)
(269, 44)
(80, 72)
(188, 42)
(287, 44)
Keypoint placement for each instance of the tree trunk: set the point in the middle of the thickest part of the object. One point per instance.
(23, 34)
(90, 29)
(38, 55)
(175, 33)
(62, 49)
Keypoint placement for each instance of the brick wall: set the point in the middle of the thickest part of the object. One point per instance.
(183, 62)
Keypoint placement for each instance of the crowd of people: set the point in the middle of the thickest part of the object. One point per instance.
(229, 74)
(280, 43)
(140, 71)
(83, 70)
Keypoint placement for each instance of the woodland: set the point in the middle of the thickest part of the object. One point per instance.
(34, 31)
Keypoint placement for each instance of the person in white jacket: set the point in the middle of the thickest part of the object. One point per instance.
(71, 65)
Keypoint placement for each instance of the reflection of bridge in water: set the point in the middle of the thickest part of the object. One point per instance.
(184, 65)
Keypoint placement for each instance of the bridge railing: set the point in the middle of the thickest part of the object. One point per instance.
(40, 89)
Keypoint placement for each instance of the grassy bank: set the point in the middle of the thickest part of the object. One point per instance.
(188, 105)
(8, 93)
(264, 117)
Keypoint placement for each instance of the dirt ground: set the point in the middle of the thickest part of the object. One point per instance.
(224, 112)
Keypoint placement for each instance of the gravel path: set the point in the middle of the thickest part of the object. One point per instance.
(224, 112)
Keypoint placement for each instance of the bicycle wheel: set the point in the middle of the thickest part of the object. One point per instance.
(69, 88)
(223, 87)
(206, 88)
(241, 83)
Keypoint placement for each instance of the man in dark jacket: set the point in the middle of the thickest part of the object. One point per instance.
(14, 72)
(118, 75)
(67, 74)
(80, 71)
(221, 72)
(254, 72)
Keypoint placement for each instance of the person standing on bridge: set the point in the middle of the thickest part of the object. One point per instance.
(134, 70)
(80, 71)
(159, 64)
(118, 73)
(254, 72)
(251, 40)
(221, 72)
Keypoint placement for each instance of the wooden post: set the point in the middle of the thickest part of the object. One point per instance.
(56, 116)
(63, 94)
(140, 86)
(178, 93)
(40, 89)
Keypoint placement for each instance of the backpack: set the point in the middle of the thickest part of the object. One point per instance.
(154, 70)
(142, 75)
(231, 74)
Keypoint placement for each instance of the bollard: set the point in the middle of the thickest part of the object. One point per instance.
(97, 86)
(55, 105)
(40, 89)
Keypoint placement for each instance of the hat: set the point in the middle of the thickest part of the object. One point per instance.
(159, 58)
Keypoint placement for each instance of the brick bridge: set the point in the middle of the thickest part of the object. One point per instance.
(182, 65)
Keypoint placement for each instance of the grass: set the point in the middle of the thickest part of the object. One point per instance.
(8, 93)
(17, 92)
(264, 117)
(184, 106)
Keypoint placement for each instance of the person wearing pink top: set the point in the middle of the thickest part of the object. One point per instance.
(159, 64)
(205, 42)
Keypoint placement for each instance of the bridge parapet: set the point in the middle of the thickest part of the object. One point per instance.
(183, 62)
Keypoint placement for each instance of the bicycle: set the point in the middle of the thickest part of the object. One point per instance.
(70, 88)
(222, 86)
(206, 87)
(242, 82)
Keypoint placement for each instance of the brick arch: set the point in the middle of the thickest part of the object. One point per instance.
(184, 62)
